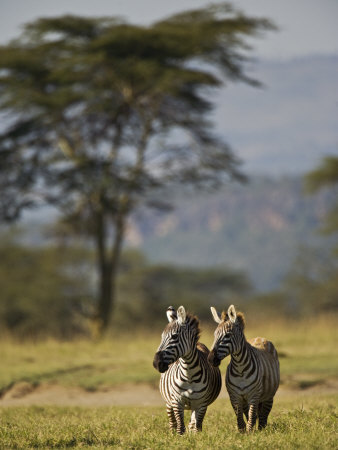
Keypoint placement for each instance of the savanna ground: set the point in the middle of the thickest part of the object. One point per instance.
(105, 394)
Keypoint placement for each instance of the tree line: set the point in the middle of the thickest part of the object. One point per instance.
(50, 290)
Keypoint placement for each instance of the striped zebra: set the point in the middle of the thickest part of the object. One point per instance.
(188, 381)
(252, 376)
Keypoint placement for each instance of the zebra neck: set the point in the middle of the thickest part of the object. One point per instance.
(189, 364)
(240, 360)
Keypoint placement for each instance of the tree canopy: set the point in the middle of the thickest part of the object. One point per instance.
(99, 112)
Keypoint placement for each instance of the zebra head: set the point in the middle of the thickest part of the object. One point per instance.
(228, 335)
(178, 338)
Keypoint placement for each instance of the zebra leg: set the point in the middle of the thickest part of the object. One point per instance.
(238, 408)
(197, 417)
(171, 416)
(263, 413)
(179, 417)
(246, 411)
(192, 423)
(252, 416)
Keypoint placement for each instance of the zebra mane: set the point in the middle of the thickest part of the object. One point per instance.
(194, 323)
(224, 316)
(191, 320)
(239, 316)
(241, 319)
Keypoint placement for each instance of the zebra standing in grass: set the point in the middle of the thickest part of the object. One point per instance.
(252, 377)
(188, 381)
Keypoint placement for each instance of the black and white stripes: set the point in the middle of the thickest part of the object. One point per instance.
(252, 377)
(188, 381)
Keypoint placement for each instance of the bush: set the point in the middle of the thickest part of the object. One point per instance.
(44, 290)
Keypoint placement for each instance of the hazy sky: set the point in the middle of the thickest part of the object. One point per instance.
(306, 26)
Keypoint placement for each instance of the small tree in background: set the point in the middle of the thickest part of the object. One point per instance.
(312, 283)
(326, 175)
(101, 113)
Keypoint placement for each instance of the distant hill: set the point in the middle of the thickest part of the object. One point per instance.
(289, 124)
(257, 227)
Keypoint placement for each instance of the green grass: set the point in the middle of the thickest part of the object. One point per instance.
(308, 350)
(309, 423)
(84, 363)
(302, 417)
(308, 354)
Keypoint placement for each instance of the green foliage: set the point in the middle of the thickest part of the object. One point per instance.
(95, 86)
(45, 290)
(48, 291)
(309, 288)
(326, 175)
(312, 283)
(87, 100)
(151, 288)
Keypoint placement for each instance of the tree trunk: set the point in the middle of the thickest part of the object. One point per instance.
(109, 258)
(108, 261)
(106, 292)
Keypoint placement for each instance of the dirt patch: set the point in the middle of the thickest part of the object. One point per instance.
(19, 390)
(46, 394)
(306, 382)
(25, 394)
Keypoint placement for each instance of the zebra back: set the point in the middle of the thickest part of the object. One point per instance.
(265, 346)
(268, 360)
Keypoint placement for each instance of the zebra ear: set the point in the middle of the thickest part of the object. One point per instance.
(232, 313)
(171, 314)
(215, 315)
(181, 315)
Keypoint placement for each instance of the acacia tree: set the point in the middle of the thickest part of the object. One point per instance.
(105, 112)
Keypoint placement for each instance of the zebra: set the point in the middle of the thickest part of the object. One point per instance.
(187, 381)
(252, 376)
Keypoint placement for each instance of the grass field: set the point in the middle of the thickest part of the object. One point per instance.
(310, 423)
(304, 415)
